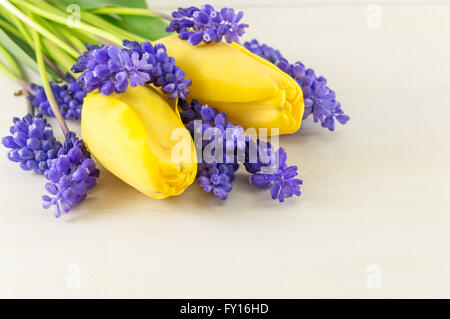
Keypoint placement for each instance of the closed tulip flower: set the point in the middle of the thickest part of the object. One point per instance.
(250, 90)
(138, 137)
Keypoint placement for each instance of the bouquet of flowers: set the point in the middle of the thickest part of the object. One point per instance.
(163, 101)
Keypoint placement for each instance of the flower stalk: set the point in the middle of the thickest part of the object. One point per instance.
(16, 73)
(131, 12)
(45, 83)
(62, 19)
(39, 28)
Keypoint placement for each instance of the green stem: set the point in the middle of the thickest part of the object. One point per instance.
(115, 20)
(56, 31)
(22, 52)
(77, 43)
(8, 27)
(98, 21)
(60, 57)
(8, 72)
(125, 11)
(54, 51)
(123, 34)
(48, 91)
(131, 12)
(37, 27)
(84, 38)
(19, 26)
(16, 70)
(53, 66)
(62, 19)
(16, 76)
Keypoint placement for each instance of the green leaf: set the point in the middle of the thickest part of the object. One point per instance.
(22, 52)
(90, 4)
(152, 28)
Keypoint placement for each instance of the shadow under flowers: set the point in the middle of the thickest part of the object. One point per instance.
(113, 197)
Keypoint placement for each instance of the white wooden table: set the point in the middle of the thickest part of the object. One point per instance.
(373, 220)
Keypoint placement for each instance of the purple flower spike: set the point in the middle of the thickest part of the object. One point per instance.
(70, 176)
(217, 178)
(320, 100)
(69, 98)
(207, 25)
(280, 176)
(268, 168)
(32, 143)
(111, 69)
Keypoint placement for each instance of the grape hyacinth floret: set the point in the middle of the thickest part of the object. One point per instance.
(70, 176)
(263, 50)
(69, 98)
(32, 143)
(279, 175)
(207, 25)
(110, 69)
(84, 58)
(215, 176)
(320, 100)
(258, 154)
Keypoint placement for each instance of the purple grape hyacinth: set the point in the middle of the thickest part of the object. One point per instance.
(32, 143)
(207, 25)
(258, 154)
(232, 136)
(320, 100)
(279, 175)
(70, 176)
(268, 168)
(69, 98)
(84, 58)
(215, 176)
(263, 50)
(110, 69)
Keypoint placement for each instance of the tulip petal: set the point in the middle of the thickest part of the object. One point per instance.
(132, 135)
(250, 90)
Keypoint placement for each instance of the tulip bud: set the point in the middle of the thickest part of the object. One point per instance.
(138, 137)
(250, 90)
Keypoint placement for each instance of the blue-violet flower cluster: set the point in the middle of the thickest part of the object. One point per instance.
(215, 175)
(268, 167)
(110, 69)
(206, 24)
(216, 178)
(32, 143)
(69, 98)
(320, 100)
(277, 174)
(70, 176)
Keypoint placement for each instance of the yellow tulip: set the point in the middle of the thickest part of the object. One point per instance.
(138, 137)
(253, 92)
